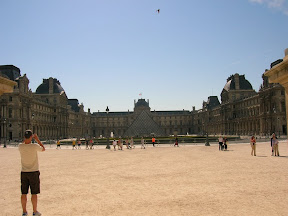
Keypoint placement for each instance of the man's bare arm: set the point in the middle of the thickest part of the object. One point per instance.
(38, 141)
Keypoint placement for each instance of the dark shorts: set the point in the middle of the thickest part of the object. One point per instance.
(32, 180)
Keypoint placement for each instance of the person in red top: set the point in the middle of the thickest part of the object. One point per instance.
(153, 141)
(253, 145)
(176, 142)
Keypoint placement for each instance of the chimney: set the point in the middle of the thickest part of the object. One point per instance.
(51, 90)
(236, 79)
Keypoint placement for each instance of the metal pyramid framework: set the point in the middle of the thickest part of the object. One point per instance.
(144, 125)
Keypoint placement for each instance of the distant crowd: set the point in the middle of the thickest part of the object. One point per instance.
(117, 144)
(223, 143)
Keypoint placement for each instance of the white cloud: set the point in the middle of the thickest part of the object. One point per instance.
(276, 3)
(257, 1)
(281, 5)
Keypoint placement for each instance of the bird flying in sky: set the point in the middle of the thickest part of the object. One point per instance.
(158, 11)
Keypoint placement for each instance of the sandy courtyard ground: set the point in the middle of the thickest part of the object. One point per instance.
(189, 180)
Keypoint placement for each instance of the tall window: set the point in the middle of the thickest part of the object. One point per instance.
(283, 106)
(10, 112)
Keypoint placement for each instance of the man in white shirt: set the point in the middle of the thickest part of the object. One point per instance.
(30, 170)
(220, 140)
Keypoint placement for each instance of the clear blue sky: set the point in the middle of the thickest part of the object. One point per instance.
(107, 52)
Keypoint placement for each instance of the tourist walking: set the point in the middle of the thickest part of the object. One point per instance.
(176, 142)
(153, 141)
(87, 144)
(58, 144)
(91, 144)
(120, 144)
(220, 140)
(253, 145)
(273, 135)
(275, 143)
(142, 143)
(225, 142)
(114, 143)
(127, 143)
(79, 144)
(74, 144)
(132, 143)
(30, 170)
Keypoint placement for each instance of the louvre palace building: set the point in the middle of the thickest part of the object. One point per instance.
(50, 113)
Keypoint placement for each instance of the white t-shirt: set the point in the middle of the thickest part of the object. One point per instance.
(29, 156)
(220, 139)
(114, 142)
(274, 142)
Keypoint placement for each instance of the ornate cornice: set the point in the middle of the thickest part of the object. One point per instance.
(6, 85)
(279, 73)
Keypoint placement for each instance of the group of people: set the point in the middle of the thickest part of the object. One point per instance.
(128, 142)
(89, 144)
(223, 142)
(274, 145)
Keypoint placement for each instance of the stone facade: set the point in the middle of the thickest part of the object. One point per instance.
(50, 113)
(6, 84)
(141, 122)
(243, 111)
(278, 73)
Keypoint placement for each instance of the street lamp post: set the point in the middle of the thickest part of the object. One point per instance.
(5, 132)
(207, 140)
(277, 127)
(33, 115)
(108, 145)
(206, 134)
(32, 122)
